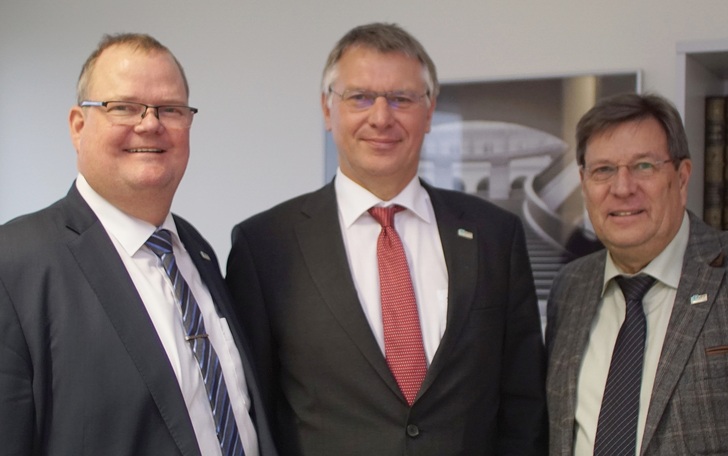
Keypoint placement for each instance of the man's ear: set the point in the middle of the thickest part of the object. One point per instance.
(326, 110)
(76, 122)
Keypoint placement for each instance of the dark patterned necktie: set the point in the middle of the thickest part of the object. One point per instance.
(617, 428)
(227, 431)
(403, 346)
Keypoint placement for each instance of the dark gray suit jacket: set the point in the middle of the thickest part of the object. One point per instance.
(82, 370)
(688, 412)
(324, 372)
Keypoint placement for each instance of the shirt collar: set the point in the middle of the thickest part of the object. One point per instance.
(665, 267)
(130, 232)
(354, 200)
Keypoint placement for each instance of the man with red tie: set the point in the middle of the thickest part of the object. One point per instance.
(388, 317)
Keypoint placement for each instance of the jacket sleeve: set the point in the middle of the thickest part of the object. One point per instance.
(16, 383)
(523, 429)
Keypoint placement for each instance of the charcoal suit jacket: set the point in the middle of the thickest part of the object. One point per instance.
(323, 371)
(82, 370)
(688, 410)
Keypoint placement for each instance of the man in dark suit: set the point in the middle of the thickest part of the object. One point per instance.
(635, 167)
(307, 276)
(96, 355)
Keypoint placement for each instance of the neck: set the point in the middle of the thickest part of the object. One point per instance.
(149, 208)
(630, 263)
(383, 188)
(385, 193)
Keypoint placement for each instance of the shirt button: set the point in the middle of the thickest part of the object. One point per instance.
(412, 430)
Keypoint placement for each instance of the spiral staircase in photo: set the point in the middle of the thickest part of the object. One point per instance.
(520, 169)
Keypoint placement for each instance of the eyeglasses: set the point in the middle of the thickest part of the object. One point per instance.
(400, 100)
(643, 169)
(130, 113)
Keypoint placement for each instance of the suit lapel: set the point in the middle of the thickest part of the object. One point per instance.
(320, 232)
(461, 259)
(703, 271)
(107, 276)
(207, 265)
(586, 295)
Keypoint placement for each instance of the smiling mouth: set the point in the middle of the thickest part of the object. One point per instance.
(625, 213)
(145, 151)
(382, 143)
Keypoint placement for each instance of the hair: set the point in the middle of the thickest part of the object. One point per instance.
(136, 41)
(384, 38)
(618, 109)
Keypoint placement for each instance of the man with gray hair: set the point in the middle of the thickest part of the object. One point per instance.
(388, 317)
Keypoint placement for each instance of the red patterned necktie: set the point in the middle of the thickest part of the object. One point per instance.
(403, 347)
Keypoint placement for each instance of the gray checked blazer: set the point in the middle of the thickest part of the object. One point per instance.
(688, 411)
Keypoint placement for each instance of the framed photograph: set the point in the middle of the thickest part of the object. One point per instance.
(512, 142)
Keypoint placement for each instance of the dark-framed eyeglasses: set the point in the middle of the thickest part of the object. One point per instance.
(131, 113)
(642, 169)
(400, 100)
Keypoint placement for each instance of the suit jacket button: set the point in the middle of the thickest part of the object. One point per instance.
(412, 430)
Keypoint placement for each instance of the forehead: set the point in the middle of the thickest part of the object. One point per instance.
(628, 141)
(366, 68)
(126, 68)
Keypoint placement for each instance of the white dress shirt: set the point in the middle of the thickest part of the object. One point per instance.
(128, 235)
(420, 237)
(657, 304)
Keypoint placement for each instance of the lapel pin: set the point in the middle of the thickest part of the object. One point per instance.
(204, 255)
(465, 234)
(698, 298)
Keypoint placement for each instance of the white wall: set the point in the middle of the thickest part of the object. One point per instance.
(254, 71)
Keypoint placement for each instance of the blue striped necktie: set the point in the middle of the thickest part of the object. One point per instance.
(227, 431)
(617, 427)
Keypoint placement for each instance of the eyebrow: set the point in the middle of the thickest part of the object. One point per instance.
(640, 156)
(134, 99)
(360, 89)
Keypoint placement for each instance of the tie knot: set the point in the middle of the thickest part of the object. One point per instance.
(160, 242)
(634, 288)
(385, 215)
